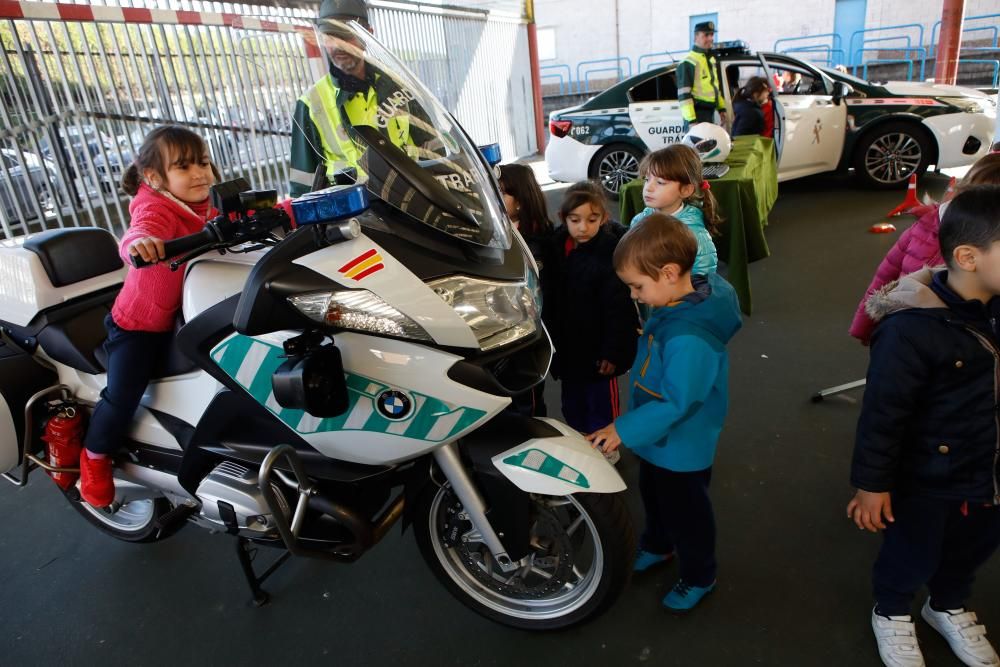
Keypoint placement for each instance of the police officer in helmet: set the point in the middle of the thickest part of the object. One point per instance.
(352, 87)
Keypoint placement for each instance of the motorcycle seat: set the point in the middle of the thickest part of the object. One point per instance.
(72, 255)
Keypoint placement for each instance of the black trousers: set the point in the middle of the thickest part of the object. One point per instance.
(937, 543)
(132, 358)
(703, 113)
(679, 518)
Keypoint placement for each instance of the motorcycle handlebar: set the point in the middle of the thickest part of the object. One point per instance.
(179, 246)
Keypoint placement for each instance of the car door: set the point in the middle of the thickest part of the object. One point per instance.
(736, 74)
(814, 126)
(654, 111)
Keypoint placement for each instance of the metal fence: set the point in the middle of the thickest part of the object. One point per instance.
(82, 84)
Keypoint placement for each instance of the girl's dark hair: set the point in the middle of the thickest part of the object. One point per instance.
(682, 164)
(658, 241)
(188, 146)
(755, 85)
(518, 181)
(972, 218)
(584, 192)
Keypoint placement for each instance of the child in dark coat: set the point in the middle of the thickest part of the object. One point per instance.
(587, 311)
(925, 463)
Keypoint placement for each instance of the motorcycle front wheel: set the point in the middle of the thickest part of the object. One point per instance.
(580, 560)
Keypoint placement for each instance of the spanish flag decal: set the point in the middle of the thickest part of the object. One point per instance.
(363, 265)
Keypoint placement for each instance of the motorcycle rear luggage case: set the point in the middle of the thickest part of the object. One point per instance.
(20, 378)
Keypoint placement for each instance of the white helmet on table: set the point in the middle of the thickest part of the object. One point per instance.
(711, 141)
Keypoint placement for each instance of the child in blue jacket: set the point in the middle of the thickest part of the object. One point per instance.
(679, 397)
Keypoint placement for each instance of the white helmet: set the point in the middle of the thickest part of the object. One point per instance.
(711, 141)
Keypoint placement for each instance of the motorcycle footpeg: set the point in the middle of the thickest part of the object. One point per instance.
(175, 516)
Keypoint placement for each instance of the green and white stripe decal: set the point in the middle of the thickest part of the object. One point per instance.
(252, 363)
(546, 464)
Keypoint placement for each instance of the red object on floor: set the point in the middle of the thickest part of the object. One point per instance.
(97, 482)
(882, 228)
(910, 202)
(64, 437)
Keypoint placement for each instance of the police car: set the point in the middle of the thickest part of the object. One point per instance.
(824, 120)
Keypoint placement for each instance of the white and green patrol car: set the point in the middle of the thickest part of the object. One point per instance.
(824, 121)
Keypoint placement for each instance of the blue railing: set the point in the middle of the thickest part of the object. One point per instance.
(835, 46)
(616, 66)
(670, 54)
(859, 36)
(919, 50)
(996, 68)
(553, 71)
(833, 58)
(937, 26)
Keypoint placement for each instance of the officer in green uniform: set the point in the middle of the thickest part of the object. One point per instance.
(698, 88)
(353, 87)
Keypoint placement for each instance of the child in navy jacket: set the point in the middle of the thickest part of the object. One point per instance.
(678, 399)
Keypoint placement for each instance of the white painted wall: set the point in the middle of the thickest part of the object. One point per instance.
(585, 29)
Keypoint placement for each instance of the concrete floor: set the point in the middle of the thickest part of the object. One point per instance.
(794, 580)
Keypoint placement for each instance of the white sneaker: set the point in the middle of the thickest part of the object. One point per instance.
(964, 634)
(897, 641)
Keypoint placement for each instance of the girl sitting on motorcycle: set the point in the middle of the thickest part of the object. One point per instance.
(169, 181)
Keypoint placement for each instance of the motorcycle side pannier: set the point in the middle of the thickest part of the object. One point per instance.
(20, 378)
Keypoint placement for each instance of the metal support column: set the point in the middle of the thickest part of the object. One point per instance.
(950, 42)
(536, 76)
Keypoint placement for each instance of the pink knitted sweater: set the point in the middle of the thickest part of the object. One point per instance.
(151, 296)
(916, 248)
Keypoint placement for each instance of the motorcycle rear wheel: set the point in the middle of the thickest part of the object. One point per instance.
(132, 522)
(581, 560)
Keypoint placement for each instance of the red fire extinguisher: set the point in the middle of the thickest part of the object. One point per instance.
(64, 435)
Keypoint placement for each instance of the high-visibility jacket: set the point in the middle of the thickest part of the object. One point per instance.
(698, 81)
(319, 136)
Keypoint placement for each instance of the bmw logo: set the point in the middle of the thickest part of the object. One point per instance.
(394, 404)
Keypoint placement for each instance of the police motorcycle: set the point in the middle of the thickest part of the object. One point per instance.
(331, 381)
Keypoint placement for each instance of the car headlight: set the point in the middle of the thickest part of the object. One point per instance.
(497, 312)
(358, 310)
(966, 104)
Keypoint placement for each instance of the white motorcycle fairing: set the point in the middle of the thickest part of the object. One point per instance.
(559, 466)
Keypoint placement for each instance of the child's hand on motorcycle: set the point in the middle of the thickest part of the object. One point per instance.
(150, 248)
(605, 439)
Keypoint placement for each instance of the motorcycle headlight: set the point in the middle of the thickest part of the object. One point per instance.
(497, 312)
(358, 310)
(966, 104)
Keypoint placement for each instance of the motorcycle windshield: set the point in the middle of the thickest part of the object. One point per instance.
(401, 142)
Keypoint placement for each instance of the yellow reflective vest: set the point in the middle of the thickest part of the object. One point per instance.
(697, 81)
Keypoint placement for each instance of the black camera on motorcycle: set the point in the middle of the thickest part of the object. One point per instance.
(312, 379)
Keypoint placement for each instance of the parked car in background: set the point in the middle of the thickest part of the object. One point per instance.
(26, 184)
(829, 121)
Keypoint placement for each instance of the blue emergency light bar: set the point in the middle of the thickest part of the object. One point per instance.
(492, 154)
(330, 205)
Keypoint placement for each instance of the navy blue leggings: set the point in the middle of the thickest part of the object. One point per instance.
(679, 518)
(936, 543)
(132, 358)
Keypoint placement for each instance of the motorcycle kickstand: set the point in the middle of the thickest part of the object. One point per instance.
(243, 552)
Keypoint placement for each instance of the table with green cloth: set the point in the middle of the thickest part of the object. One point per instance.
(745, 195)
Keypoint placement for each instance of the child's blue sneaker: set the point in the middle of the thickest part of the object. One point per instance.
(684, 597)
(645, 560)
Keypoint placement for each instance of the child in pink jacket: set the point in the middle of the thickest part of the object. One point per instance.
(169, 181)
(918, 246)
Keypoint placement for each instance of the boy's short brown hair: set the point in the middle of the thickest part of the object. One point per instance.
(654, 242)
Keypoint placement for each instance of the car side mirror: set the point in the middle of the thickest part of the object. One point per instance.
(841, 90)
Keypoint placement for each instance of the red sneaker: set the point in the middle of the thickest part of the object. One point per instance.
(97, 484)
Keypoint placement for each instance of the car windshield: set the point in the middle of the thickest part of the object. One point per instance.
(408, 150)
